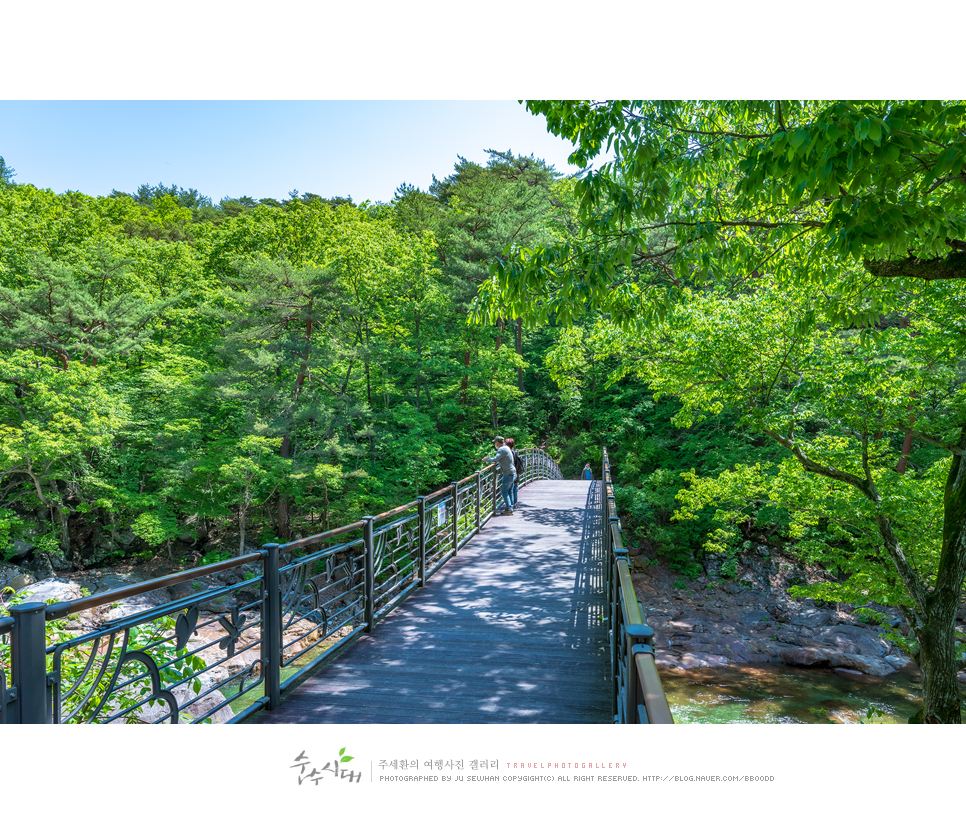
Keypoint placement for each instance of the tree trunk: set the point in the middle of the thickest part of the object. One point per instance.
(429, 399)
(419, 358)
(904, 454)
(241, 527)
(57, 516)
(284, 522)
(61, 518)
(368, 376)
(499, 342)
(520, 351)
(938, 660)
(932, 615)
(464, 384)
(284, 525)
(906, 445)
(939, 657)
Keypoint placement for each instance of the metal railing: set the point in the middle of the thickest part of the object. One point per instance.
(638, 696)
(237, 633)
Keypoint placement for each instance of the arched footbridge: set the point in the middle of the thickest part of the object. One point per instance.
(442, 610)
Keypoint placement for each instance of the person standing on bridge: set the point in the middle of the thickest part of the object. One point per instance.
(517, 470)
(504, 461)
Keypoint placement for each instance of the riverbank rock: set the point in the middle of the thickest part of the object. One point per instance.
(752, 619)
(804, 657)
(12, 580)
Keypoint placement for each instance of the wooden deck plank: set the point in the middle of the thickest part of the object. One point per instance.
(509, 631)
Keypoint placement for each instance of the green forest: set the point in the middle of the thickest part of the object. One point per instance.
(758, 307)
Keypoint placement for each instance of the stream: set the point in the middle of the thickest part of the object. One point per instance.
(774, 693)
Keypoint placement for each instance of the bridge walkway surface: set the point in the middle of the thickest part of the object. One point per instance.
(511, 630)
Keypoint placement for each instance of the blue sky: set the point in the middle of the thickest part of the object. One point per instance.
(452, 74)
(363, 149)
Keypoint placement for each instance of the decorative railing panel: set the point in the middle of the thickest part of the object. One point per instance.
(7, 700)
(489, 494)
(177, 662)
(242, 631)
(538, 465)
(322, 596)
(638, 696)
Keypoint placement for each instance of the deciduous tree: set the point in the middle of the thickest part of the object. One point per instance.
(804, 262)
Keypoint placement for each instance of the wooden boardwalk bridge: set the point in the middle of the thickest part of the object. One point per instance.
(437, 611)
(511, 630)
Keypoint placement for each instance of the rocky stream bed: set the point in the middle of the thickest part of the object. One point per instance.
(704, 622)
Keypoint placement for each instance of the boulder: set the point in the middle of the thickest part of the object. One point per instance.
(853, 639)
(56, 588)
(14, 578)
(858, 662)
(197, 710)
(804, 657)
(98, 556)
(693, 660)
(19, 550)
(899, 661)
(753, 617)
(739, 652)
(124, 539)
(808, 617)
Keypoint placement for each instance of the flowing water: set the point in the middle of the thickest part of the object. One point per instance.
(772, 693)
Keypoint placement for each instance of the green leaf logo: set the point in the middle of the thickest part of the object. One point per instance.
(343, 758)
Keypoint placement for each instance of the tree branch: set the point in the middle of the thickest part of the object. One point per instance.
(910, 579)
(949, 267)
(937, 443)
(814, 467)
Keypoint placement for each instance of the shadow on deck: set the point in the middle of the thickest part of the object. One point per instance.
(510, 631)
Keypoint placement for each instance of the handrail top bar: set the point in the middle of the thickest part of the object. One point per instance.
(395, 511)
(320, 537)
(655, 701)
(632, 613)
(61, 609)
(441, 492)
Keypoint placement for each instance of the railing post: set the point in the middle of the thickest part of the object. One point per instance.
(636, 635)
(272, 626)
(29, 662)
(619, 645)
(456, 515)
(478, 497)
(616, 624)
(370, 577)
(421, 524)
